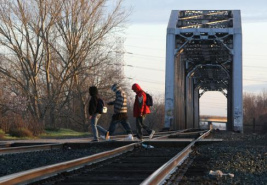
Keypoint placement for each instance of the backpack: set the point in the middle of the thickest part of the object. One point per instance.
(100, 108)
(149, 100)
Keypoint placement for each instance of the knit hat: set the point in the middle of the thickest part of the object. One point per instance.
(114, 87)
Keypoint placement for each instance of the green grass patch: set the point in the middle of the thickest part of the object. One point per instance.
(63, 133)
(9, 137)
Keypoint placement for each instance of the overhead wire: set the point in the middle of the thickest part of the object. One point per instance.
(146, 57)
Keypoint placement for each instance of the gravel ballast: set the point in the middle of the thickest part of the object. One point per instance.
(243, 155)
(13, 163)
(241, 158)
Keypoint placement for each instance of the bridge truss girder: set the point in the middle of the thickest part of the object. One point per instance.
(204, 53)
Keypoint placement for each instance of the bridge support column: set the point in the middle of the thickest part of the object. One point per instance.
(196, 108)
(179, 94)
(169, 76)
(189, 94)
(237, 88)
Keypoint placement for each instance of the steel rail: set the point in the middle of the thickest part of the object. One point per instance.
(165, 136)
(160, 174)
(30, 148)
(4, 145)
(157, 135)
(47, 171)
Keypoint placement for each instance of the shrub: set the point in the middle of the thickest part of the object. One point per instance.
(52, 129)
(20, 132)
(2, 134)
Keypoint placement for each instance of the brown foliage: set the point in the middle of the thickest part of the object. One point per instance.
(255, 108)
(20, 132)
(2, 134)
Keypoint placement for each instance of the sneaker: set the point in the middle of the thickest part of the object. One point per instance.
(107, 136)
(129, 137)
(139, 138)
(151, 134)
(94, 140)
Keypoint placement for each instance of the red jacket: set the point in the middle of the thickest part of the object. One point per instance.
(140, 107)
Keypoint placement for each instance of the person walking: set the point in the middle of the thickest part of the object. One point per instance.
(119, 116)
(94, 115)
(140, 110)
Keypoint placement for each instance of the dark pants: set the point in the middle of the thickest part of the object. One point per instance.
(139, 125)
(124, 123)
(117, 118)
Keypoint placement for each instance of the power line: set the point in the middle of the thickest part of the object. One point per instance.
(144, 80)
(146, 37)
(255, 80)
(253, 55)
(145, 55)
(255, 66)
(160, 57)
(140, 67)
(145, 47)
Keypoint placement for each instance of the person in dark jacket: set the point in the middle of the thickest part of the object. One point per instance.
(140, 111)
(92, 110)
(120, 114)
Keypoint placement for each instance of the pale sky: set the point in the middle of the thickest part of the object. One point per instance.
(145, 45)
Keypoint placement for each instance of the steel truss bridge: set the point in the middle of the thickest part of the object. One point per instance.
(203, 53)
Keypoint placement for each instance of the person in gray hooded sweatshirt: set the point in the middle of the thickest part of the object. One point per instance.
(120, 114)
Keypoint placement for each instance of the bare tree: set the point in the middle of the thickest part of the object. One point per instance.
(156, 118)
(255, 109)
(249, 106)
(54, 50)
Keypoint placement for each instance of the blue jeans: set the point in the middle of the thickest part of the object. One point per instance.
(139, 125)
(102, 130)
(94, 121)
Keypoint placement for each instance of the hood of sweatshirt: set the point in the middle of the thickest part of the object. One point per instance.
(136, 88)
(93, 91)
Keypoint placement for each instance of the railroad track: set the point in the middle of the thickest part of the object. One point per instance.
(19, 147)
(130, 168)
(30, 148)
(134, 163)
(192, 167)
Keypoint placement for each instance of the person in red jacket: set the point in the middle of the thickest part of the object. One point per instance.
(140, 111)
